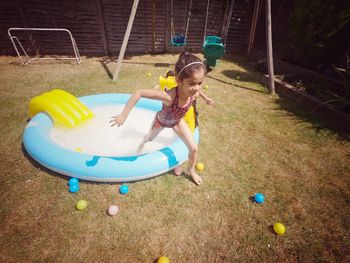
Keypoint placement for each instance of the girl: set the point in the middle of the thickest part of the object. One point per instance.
(190, 73)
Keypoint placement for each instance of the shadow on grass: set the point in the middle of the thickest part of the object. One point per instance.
(251, 199)
(37, 165)
(248, 75)
(104, 65)
(270, 228)
(239, 75)
(318, 122)
(105, 61)
(235, 85)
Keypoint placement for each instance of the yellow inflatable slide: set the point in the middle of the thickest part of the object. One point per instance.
(64, 108)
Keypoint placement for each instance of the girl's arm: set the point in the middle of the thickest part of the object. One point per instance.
(208, 100)
(150, 94)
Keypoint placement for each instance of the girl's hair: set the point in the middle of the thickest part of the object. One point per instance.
(170, 73)
(185, 58)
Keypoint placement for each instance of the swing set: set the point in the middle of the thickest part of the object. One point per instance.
(179, 40)
(213, 47)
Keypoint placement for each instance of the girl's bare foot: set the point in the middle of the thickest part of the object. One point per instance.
(195, 177)
(178, 170)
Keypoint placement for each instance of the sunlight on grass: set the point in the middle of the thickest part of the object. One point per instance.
(249, 143)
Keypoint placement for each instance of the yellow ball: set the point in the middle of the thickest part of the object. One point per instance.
(206, 86)
(279, 228)
(81, 205)
(149, 74)
(200, 167)
(79, 150)
(163, 260)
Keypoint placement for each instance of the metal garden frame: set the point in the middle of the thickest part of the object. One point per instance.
(13, 38)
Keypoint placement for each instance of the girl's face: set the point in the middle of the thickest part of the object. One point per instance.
(192, 85)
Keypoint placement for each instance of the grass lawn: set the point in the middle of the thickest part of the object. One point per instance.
(250, 142)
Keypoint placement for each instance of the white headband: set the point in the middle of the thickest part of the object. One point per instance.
(192, 63)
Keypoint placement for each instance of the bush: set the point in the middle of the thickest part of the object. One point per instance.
(313, 26)
(345, 76)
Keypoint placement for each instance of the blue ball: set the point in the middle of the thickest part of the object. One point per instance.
(259, 198)
(74, 188)
(124, 189)
(73, 181)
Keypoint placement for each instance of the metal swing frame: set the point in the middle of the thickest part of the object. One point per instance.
(28, 59)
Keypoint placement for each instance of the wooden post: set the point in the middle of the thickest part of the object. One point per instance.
(125, 40)
(206, 22)
(103, 27)
(228, 21)
(166, 28)
(269, 46)
(153, 25)
(253, 26)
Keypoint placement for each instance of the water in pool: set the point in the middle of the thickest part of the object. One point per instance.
(97, 137)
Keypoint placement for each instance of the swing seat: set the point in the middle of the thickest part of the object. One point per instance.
(213, 49)
(178, 40)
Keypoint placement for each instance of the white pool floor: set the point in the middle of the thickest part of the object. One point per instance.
(97, 137)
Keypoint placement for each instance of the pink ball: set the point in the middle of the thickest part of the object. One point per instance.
(113, 210)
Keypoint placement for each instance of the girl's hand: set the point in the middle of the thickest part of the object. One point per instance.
(117, 120)
(210, 101)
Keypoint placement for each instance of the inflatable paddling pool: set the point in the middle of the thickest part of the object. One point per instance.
(56, 110)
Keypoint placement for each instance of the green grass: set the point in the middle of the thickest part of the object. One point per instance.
(250, 142)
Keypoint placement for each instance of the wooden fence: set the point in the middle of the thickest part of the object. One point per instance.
(98, 26)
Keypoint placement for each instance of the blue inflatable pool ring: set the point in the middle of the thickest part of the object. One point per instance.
(39, 145)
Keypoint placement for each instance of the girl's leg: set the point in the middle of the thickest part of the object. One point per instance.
(178, 170)
(185, 134)
(153, 132)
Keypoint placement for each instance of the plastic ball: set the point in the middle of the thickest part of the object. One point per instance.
(77, 149)
(74, 188)
(163, 260)
(124, 189)
(200, 167)
(113, 210)
(259, 198)
(206, 86)
(81, 205)
(149, 74)
(73, 181)
(279, 228)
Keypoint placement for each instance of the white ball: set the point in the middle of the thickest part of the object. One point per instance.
(113, 210)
